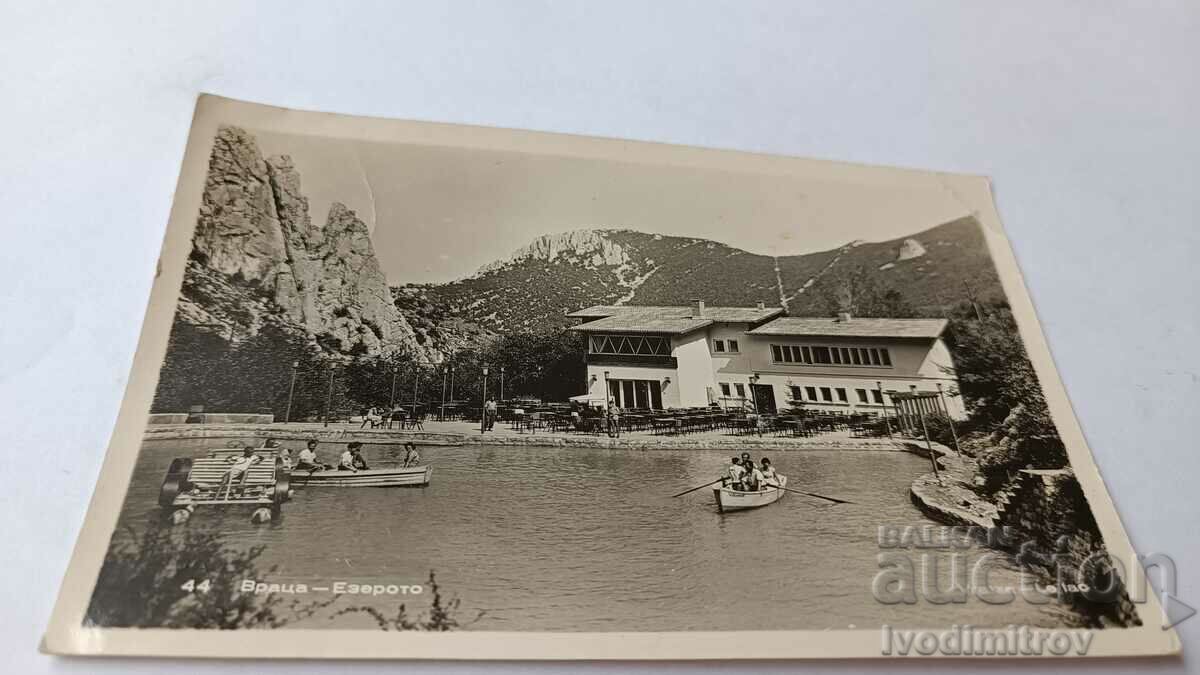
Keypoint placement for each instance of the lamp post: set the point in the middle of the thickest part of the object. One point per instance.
(753, 395)
(392, 400)
(501, 383)
(329, 395)
(606, 393)
(949, 420)
(886, 422)
(483, 418)
(416, 376)
(287, 417)
(442, 413)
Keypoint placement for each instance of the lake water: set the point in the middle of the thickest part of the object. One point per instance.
(557, 539)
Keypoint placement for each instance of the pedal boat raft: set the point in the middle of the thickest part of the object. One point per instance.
(729, 499)
(201, 482)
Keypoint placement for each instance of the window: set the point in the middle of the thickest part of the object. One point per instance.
(841, 392)
(718, 345)
(725, 389)
(629, 345)
(741, 389)
(733, 346)
(811, 392)
(862, 395)
(877, 395)
(797, 393)
(826, 394)
(820, 355)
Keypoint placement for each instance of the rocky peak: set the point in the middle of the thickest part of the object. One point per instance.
(589, 248)
(255, 225)
(909, 249)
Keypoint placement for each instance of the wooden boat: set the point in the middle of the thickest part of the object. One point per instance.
(415, 476)
(729, 499)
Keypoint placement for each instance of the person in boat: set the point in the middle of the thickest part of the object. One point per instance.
(411, 456)
(768, 472)
(307, 459)
(734, 474)
(284, 454)
(241, 466)
(352, 459)
(753, 480)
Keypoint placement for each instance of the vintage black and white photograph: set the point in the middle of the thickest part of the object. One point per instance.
(441, 388)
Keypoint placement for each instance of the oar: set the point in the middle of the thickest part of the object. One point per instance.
(698, 487)
(809, 494)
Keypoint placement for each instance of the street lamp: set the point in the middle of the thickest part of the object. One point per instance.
(501, 383)
(329, 395)
(483, 418)
(754, 395)
(291, 391)
(606, 392)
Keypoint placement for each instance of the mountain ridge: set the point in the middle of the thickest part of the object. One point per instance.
(535, 286)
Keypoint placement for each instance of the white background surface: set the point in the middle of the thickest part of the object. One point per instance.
(1085, 114)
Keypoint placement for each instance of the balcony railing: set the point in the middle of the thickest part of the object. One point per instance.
(661, 361)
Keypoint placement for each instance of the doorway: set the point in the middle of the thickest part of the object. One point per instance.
(764, 399)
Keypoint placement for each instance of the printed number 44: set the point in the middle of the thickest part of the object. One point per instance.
(191, 586)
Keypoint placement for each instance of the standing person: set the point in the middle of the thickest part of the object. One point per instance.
(411, 456)
(489, 411)
(614, 422)
(734, 473)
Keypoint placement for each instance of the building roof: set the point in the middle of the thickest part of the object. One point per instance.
(711, 314)
(858, 327)
(640, 323)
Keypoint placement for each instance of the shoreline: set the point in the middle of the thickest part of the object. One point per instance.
(638, 442)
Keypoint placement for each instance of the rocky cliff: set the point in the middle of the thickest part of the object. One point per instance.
(257, 251)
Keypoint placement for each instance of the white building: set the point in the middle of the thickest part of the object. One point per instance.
(754, 357)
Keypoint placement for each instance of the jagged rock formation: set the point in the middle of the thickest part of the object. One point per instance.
(255, 230)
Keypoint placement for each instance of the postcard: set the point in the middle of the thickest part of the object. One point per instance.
(422, 391)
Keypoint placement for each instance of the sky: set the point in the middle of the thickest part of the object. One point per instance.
(437, 213)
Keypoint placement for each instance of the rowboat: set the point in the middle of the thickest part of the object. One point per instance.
(415, 476)
(729, 499)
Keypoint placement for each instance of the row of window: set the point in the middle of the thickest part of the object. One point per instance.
(725, 346)
(645, 345)
(836, 356)
(737, 386)
(835, 394)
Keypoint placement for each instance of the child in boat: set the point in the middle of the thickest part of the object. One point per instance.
(411, 457)
(734, 474)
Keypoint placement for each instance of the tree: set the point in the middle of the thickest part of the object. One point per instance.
(1003, 395)
(858, 291)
